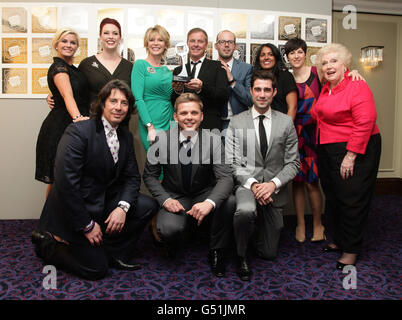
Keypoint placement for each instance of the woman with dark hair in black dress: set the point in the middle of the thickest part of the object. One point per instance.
(268, 57)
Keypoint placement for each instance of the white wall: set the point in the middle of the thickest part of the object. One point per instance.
(22, 197)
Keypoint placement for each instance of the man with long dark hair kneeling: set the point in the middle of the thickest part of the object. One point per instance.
(95, 214)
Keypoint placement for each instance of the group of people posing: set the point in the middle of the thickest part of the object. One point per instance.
(221, 149)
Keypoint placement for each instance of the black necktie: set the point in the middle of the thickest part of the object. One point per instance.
(194, 67)
(186, 168)
(263, 136)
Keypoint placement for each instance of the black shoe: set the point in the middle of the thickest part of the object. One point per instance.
(340, 265)
(169, 252)
(216, 260)
(38, 236)
(243, 269)
(157, 243)
(118, 264)
(330, 249)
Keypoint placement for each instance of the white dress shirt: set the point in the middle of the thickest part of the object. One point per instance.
(230, 112)
(114, 145)
(267, 125)
(197, 66)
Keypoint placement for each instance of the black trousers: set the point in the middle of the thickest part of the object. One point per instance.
(348, 201)
(92, 262)
(175, 229)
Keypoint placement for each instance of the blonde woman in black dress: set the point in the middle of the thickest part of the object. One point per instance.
(69, 88)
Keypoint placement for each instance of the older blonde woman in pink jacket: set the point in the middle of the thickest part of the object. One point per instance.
(349, 149)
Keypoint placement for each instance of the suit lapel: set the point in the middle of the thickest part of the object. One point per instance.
(104, 150)
(196, 155)
(274, 129)
(250, 125)
(203, 69)
(235, 68)
(174, 146)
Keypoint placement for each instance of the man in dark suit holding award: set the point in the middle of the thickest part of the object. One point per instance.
(208, 79)
(239, 77)
(196, 188)
(263, 145)
(95, 214)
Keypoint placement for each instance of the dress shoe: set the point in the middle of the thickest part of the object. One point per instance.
(217, 262)
(340, 265)
(319, 235)
(169, 251)
(328, 248)
(243, 269)
(38, 236)
(156, 242)
(118, 264)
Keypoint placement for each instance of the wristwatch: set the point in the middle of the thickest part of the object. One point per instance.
(149, 124)
(123, 206)
(233, 80)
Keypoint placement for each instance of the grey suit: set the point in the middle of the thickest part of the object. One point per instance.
(211, 179)
(262, 223)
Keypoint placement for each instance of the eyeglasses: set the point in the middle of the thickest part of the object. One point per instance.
(221, 42)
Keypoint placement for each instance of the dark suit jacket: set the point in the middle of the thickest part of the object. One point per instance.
(209, 175)
(88, 184)
(214, 92)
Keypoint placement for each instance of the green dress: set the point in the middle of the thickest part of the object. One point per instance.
(152, 88)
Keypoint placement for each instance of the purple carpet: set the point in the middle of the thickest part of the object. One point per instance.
(301, 271)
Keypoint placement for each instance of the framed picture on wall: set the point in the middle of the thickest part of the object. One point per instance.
(316, 30)
(14, 20)
(262, 26)
(289, 27)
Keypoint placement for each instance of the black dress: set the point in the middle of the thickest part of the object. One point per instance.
(285, 83)
(98, 75)
(58, 118)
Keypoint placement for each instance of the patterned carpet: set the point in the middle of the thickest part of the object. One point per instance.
(301, 271)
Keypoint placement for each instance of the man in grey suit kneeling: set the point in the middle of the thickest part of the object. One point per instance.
(262, 143)
(197, 184)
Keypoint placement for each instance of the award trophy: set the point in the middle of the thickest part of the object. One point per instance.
(181, 50)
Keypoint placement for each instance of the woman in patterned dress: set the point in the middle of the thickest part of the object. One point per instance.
(309, 87)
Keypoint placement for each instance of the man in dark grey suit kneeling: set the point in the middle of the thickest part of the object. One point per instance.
(196, 189)
(263, 145)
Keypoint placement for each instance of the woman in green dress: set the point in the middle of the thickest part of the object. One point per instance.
(151, 85)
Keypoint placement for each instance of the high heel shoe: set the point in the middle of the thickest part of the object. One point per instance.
(328, 248)
(347, 256)
(300, 236)
(321, 237)
(340, 265)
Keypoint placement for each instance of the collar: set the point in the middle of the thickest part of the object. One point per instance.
(107, 126)
(255, 114)
(201, 59)
(193, 139)
(230, 63)
(339, 87)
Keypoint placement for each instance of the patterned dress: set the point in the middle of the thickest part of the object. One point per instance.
(308, 93)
